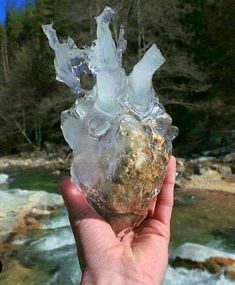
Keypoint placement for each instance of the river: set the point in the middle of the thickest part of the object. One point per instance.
(47, 255)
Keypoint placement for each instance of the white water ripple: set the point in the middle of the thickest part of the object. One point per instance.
(56, 240)
(182, 276)
(58, 222)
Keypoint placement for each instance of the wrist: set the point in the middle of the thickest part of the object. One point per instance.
(114, 278)
(89, 279)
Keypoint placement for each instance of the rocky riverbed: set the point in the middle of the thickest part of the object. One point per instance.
(37, 246)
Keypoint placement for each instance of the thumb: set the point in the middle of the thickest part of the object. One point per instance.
(89, 228)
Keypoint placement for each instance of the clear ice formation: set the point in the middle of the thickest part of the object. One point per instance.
(121, 136)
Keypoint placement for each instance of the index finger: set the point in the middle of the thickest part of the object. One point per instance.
(165, 199)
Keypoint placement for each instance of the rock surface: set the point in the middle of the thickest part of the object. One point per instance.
(21, 210)
(15, 273)
(205, 173)
(230, 157)
(191, 256)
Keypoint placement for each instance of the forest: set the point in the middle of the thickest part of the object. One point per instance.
(196, 83)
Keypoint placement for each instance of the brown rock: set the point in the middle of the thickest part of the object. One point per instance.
(230, 272)
(196, 256)
(4, 247)
(216, 264)
(12, 271)
(20, 211)
(230, 157)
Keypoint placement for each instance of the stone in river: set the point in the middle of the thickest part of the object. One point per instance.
(20, 210)
(191, 255)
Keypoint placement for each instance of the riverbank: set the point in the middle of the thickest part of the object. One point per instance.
(206, 172)
(36, 159)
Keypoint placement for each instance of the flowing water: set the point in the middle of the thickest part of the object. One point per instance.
(48, 255)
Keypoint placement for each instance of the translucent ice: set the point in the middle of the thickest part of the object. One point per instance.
(120, 134)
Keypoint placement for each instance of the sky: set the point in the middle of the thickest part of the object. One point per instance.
(6, 3)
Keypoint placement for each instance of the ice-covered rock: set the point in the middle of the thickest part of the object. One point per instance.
(120, 134)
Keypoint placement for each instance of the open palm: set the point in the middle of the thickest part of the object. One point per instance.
(141, 256)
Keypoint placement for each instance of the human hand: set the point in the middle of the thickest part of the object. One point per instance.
(141, 257)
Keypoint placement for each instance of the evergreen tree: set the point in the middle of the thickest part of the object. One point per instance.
(196, 83)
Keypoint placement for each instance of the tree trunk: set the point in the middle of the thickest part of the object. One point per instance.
(5, 61)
